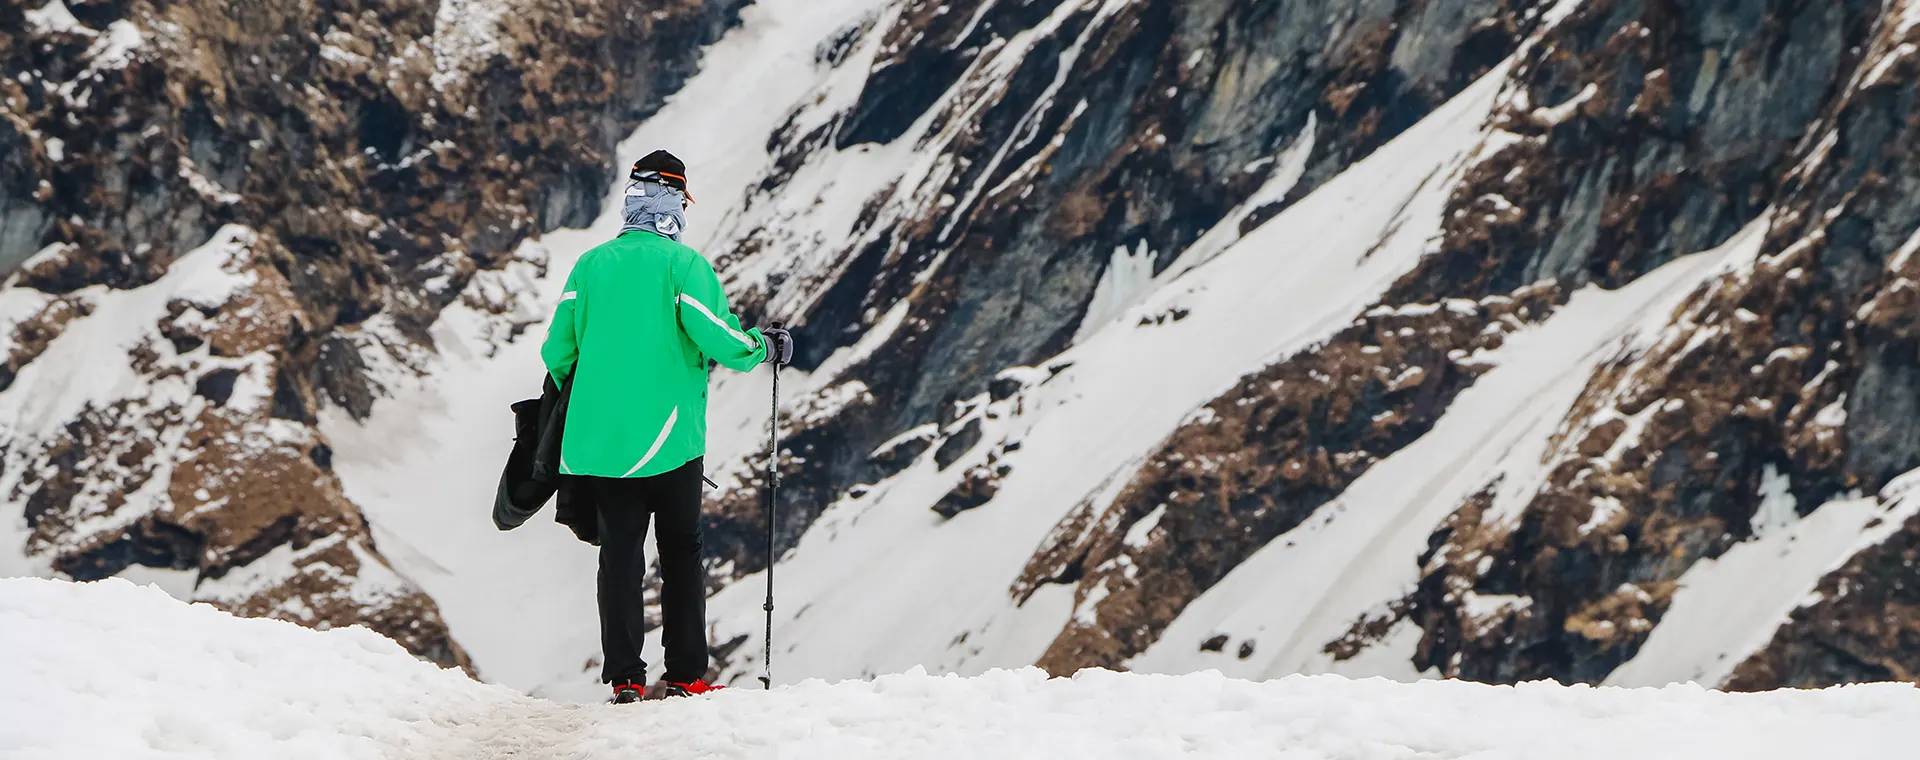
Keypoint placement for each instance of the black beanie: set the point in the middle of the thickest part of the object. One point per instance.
(662, 167)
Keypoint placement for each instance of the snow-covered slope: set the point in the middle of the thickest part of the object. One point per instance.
(109, 669)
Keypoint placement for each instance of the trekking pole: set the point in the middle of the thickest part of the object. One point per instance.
(773, 488)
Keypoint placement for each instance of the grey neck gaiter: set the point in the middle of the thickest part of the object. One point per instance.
(655, 208)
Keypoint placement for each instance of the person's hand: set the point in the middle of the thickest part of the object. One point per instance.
(779, 346)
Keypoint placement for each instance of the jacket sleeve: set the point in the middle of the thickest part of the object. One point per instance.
(705, 318)
(562, 348)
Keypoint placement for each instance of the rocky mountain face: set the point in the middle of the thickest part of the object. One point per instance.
(1797, 366)
(1073, 135)
(1108, 307)
(1074, 130)
(211, 211)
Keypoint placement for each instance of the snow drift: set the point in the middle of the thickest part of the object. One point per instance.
(118, 670)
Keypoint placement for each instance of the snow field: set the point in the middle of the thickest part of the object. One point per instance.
(117, 670)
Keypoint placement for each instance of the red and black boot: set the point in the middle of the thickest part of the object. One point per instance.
(692, 688)
(627, 692)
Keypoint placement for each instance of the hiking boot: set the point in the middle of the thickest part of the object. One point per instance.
(627, 693)
(692, 688)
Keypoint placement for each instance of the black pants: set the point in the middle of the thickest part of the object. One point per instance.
(624, 505)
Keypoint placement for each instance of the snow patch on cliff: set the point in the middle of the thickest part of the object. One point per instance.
(87, 365)
(1128, 277)
(53, 18)
(1292, 165)
(1728, 607)
(465, 32)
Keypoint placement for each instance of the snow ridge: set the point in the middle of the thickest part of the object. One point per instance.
(111, 669)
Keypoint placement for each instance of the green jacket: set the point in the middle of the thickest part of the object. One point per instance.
(639, 319)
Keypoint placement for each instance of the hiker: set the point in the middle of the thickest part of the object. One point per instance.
(639, 319)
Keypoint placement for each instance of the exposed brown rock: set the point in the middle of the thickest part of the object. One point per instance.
(1366, 632)
(977, 487)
